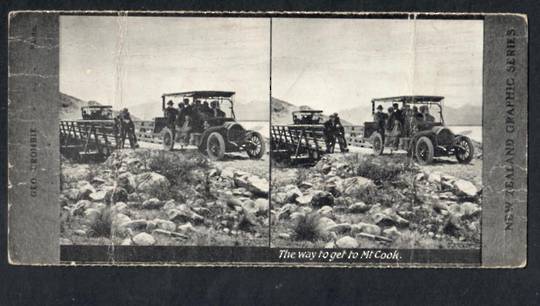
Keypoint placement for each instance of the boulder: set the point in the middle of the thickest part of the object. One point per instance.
(139, 224)
(465, 188)
(322, 198)
(358, 208)
(434, 177)
(325, 211)
(152, 182)
(340, 228)
(85, 190)
(279, 197)
(292, 192)
(392, 232)
(186, 228)
(355, 185)
(253, 183)
(126, 241)
(183, 214)
(347, 243)
(65, 241)
(144, 239)
(304, 200)
(227, 173)
(286, 210)
(469, 209)
(170, 204)
(98, 196)
(367, 228)
(119, 207)
(127, 181)
(96, 180)
(305, 185)
(165, 225)
(153, 203)
(325, 223)
(262, 205)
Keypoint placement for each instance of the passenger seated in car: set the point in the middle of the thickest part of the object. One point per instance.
(216, 112)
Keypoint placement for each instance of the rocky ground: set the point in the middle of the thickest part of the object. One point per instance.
(156, 197)
(361, 200)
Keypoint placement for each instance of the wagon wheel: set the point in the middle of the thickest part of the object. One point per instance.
(255, 146)
(215, 146)
(168, 141)
(378, 145)
(424, 150)
(465, 150)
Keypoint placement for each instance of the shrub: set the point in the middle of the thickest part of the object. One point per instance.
(307, 227)
(101, 224)
(178, 167)
(379, 168)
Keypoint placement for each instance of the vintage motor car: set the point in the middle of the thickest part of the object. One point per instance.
(422, 139)
(213, 135)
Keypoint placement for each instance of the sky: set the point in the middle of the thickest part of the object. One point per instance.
(123, 61)
(337, 64)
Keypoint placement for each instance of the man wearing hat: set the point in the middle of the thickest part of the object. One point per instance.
(340, 133)
(170, 118)
(380, 120)
(127, 129)
(330, 134)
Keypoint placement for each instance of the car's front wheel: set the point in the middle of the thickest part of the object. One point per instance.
(377, 143)
(215, 146)
(167, 138)
(424, 151)
(464, 150)
(255, 146)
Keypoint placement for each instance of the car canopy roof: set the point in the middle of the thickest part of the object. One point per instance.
(202, 94)
(410, 99)
(311, 111)
(97, 106)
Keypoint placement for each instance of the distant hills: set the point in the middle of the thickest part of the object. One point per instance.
(70, 107)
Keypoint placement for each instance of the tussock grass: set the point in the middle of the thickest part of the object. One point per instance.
(307, 227)
(101, 224)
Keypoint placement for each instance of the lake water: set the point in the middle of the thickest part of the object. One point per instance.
(474, 132)
(262, 127)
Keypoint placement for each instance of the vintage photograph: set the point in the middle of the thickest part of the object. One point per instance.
(376, 133)
(164, 129)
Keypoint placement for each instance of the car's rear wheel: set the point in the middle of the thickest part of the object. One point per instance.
(255, 146)
(377, 142)
(167, 138)
(424, 151)
(215, 146)
(465, 150)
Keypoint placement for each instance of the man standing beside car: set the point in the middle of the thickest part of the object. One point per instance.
(380, 119)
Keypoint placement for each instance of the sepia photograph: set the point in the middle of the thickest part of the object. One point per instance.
(268, 139)
(164, 125)
(376, 133)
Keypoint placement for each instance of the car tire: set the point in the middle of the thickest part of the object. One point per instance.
(167, 139)
(215, 146)
(377, 143)
(467, 156)
(256, 139)
(424, 151)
